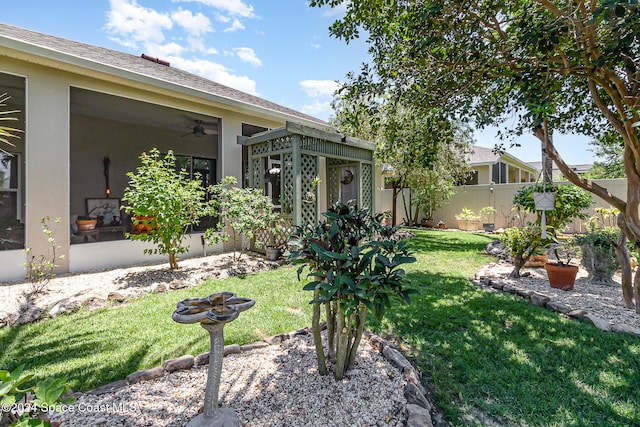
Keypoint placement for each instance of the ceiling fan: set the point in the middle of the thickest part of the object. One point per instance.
(198, 130)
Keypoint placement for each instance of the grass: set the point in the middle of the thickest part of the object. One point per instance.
(96, 347)
(488, 356)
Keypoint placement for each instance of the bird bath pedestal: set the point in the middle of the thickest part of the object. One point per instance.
(212, 313)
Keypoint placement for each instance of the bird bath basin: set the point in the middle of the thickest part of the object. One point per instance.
(213, 312)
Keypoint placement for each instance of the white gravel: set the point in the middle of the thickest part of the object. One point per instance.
(604, 301)
(277, 385)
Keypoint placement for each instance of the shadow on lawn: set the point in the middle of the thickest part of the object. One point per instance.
(88, 360)
(521, 364)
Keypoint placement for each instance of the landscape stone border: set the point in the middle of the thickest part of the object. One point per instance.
(542, 300)
(418, 409)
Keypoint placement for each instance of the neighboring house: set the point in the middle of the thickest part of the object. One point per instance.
(579, 169)
(490, 167)
(87, 115)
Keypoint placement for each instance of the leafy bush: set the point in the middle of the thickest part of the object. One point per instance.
(24, 406)
(241, 212)
(521, 244)
(40, 268)
(570, 203)
(168, 199)
(350, 274)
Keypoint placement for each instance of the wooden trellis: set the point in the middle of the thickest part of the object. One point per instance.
(299, 150)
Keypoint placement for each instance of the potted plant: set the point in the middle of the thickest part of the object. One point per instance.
(543, 195)
(599, 256)
(486, 214)
(562, 274)
(468, 220)
(86, 223)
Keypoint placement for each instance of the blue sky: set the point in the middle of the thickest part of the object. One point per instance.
(279, 50)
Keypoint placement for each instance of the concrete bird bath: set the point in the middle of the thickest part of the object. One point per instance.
(212, 313)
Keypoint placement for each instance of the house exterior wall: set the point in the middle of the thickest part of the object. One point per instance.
(484, 173)
(49, 163)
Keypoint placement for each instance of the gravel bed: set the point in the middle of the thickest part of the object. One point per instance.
(277, 385)
(604, 301)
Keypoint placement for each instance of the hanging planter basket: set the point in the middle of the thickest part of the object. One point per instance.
(544, 201)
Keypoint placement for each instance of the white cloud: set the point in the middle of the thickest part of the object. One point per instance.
(235, 26)
(321, 110)
(248, 55)
(319, 88)
(216, 72)
(196, 25)
(232, 7)
(164, 50)
(131, 24)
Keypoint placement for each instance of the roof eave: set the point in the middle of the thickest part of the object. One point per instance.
(87, 64)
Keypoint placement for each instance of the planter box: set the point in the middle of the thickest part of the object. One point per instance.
(468, 224)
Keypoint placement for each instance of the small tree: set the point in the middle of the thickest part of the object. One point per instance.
(40, 268)
(350, 275)
(168, 198)
(241, 212)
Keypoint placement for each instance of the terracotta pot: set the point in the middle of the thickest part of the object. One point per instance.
(536, 261)
(86, 224)
(561, 276)
(143, 225)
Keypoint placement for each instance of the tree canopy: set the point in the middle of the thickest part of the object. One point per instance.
(544, 65)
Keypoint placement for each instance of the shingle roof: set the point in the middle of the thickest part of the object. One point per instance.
(482, 155)
(138, 65)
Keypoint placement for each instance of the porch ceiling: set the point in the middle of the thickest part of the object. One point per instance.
(97, 104)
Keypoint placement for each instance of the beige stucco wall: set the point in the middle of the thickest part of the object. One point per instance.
(475, 197)
(50, 166)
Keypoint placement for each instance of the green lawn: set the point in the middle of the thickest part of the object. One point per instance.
(484, 354)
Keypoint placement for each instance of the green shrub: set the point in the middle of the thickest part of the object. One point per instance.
(168, 199)
(350, 274)
(570, 204)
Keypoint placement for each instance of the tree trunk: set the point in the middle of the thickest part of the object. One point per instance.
(625, 264)
(342, 347)
(518, 263)
(394, 208)
(330, 311)
(361, 318)
(317, 338)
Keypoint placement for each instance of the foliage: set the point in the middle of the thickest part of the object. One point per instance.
(467, 215)
(241, 212)
(522, 243)
(487, 212)
(24, 405)
(541, 66)
(7, 132)
(40, 269)
(350, 274)
(610, 147)
(421, 150)
(570, 203)
(168, 198)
